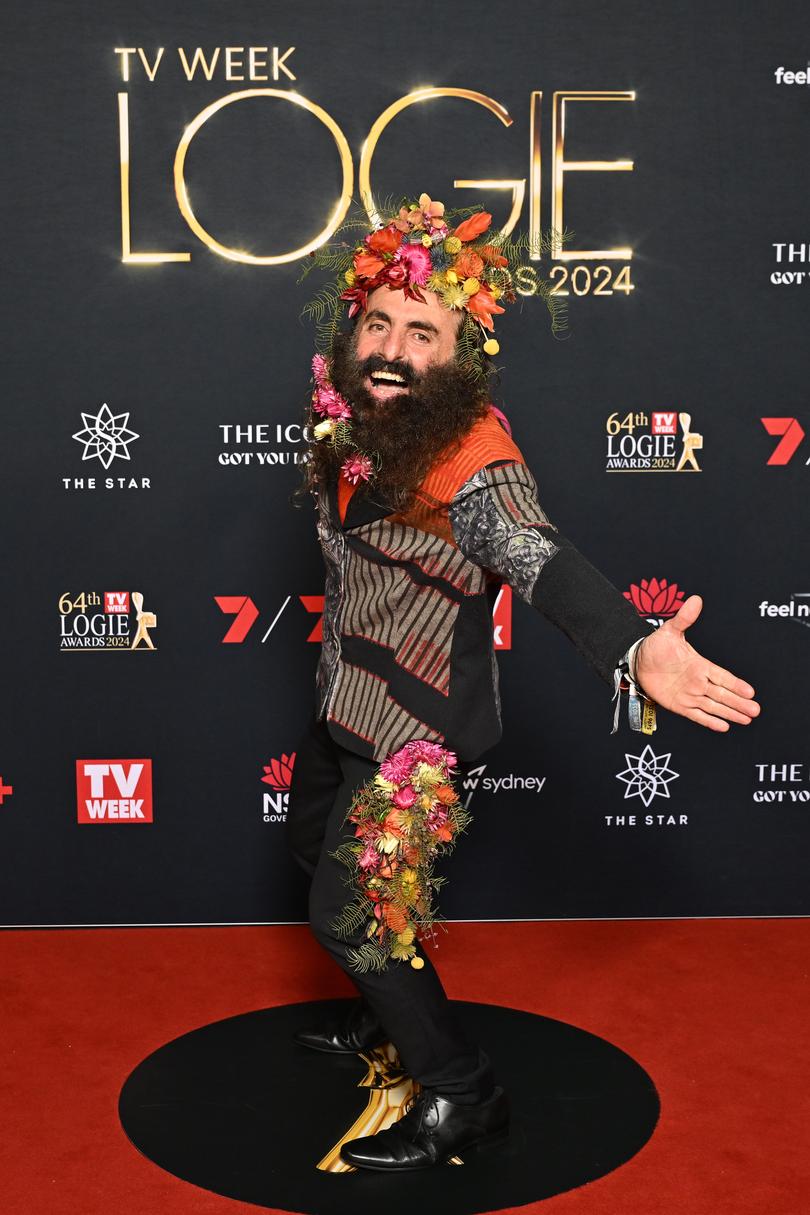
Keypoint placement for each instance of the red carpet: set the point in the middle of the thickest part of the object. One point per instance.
(717, 1011)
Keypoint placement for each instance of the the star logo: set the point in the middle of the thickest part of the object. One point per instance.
(105, 436)
(647, 775)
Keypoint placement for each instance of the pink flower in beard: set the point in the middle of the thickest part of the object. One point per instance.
(404, 797)
(328, 402)
(319, 370)
(356, 468)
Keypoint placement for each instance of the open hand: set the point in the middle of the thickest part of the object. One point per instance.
(672, 673)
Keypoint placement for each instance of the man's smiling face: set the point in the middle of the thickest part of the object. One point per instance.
(399, 338)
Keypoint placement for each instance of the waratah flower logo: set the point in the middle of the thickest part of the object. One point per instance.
(278, 773)
(655, 598)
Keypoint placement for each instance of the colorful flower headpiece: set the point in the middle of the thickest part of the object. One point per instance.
(464, 263)
(416, 251)
(424, 247)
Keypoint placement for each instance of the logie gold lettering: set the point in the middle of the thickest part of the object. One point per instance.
(255, 66)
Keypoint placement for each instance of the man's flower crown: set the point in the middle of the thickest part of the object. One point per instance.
(423, 247)
(416, 251)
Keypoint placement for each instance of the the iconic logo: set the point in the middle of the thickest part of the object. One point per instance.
(5, 790)
(799, 613)
(647, 775)
(795, 253)
(791, 433)
(782, 782)
(261, 443)
(655, 599)
(114, 790)
(278, 775)
(494, 784)
(650, 442)
(106, 436)
(113, 620)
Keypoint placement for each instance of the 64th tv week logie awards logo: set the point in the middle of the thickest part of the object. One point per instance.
(641, 442)
(110, 620)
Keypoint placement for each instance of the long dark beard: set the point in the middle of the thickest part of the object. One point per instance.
(408, 431)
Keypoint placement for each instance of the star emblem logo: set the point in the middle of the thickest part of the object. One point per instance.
(647, 775)
(105, 436)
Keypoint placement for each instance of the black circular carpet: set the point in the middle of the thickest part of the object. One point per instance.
(238, 1108)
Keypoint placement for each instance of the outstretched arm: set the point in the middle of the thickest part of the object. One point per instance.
(499, 524)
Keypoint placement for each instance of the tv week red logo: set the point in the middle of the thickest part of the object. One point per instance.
(114, 790)
(664, 422)
(116, 603)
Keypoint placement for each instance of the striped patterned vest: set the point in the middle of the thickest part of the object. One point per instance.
(407, 629)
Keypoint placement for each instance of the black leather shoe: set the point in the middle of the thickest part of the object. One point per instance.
(432, 1130)
(359, 1031)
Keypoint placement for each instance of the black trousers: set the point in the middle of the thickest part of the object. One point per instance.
(410, 1004)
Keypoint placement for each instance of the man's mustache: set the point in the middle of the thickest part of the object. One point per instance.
(375, 362)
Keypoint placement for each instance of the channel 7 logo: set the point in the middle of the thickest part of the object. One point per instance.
(790, 434)
(245, 614)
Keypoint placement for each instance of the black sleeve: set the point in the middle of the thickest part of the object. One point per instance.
(499, 524)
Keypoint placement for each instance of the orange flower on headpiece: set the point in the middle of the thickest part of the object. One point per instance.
(474, 226)
(368, 264)
(383, 241)
(428, 215)
(491, 255)
(482, 305)
(468, 264)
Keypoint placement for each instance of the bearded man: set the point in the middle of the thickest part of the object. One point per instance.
(426, 507)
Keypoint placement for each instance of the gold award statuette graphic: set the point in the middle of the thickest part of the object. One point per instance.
(146, 621)
(692, 441)
(390, 1092)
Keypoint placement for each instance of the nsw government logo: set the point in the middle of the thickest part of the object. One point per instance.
(278, 775)
(641, 442)
(106, 620)
(655, 599)
(114, 790)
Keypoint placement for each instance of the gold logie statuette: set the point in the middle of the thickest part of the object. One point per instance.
(390, 1090)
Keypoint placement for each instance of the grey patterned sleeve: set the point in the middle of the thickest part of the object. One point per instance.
(499, 524)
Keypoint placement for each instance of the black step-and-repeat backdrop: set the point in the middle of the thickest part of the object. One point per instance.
(166, 169)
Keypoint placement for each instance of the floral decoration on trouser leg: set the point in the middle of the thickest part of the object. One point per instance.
(404, 817)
